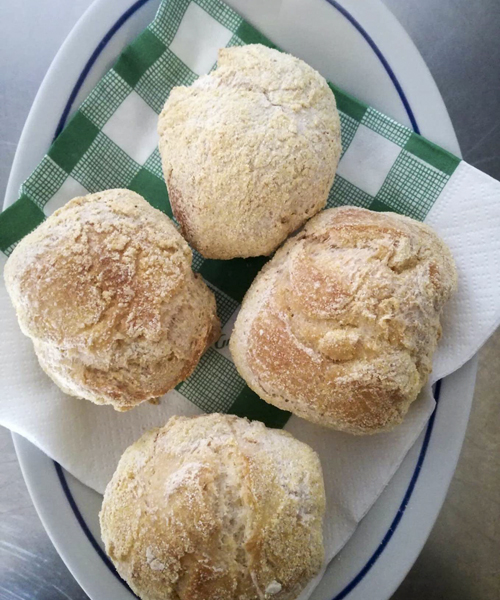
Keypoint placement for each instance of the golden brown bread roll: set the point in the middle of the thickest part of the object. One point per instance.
(249, 151)
(341, 325)
(215, 507)
(105, 290)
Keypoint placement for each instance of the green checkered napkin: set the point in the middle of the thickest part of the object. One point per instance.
(112, 142)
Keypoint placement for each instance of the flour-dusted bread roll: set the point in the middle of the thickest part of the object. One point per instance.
(249, 151)
(104, 288)
(215, 507)
(341, 325)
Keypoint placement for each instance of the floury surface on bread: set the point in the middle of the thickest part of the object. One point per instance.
(249, 151)
(104, 288)
(341, 325)
(215, 507)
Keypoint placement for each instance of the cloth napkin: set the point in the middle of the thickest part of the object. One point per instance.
(112, 142)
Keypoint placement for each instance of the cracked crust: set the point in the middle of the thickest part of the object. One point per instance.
(215, 507)
(341, 325)
(104, 288)
(249, 151)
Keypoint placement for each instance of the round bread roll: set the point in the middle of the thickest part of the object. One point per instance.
(215, 507)
(104, 288)
(249, 151)
(341, 325)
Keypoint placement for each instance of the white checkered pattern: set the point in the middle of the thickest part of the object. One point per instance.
(132, 127)
(198, 39)
(368, 160)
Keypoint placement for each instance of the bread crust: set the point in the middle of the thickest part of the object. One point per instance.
(104, 288)
(341, 325)
(215, 507)
(249, 151)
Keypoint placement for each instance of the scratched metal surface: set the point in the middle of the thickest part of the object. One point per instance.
(459, 41)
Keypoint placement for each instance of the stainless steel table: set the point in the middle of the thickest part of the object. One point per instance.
(459, 41)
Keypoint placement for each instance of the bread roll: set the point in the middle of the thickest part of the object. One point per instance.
(215, 507)
(341, 325)
(249, 151)
(104, 288)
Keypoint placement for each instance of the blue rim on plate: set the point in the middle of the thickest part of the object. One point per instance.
(411, 486)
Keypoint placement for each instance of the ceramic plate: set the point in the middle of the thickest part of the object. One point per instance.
(365, 51)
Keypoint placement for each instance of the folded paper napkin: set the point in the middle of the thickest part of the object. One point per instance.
(111, 142)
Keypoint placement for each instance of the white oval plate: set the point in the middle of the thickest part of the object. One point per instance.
(365, 51)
